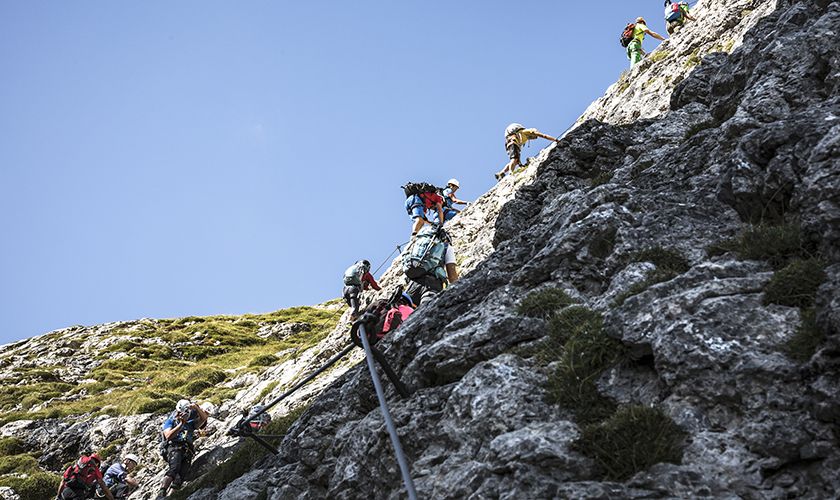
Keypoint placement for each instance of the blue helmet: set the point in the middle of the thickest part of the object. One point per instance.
(407, 298)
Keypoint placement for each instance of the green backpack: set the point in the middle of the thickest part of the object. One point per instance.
(425, 255)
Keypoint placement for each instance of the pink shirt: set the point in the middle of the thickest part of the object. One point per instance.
(405, 312)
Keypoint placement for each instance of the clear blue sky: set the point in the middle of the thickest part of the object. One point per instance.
(163, 159)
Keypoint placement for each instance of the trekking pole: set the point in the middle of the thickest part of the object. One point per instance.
(386, 415)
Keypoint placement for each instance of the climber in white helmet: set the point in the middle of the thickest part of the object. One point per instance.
(118, 476)
(449, 199)
(517, 136)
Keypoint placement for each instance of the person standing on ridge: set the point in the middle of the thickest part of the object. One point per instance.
(449, 200)
(356, 279)
(676, 14)
(635, 52)
(517, 136)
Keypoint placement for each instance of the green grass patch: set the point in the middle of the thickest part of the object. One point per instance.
(245, 456)
(807, 339)
(623, 82)
(11, 446)
(543, 303)
(776, 244)
(693, 59)
(202, 352)
(264, 360)
(669, 264)
(796, 284)
(36, 486)
(659, 55)
(17, 463)
(577, 340)
(112, 449)
(631, 440)
(265, 392)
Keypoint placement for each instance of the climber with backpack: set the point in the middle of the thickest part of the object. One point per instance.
(399, 312)
(423, 203)
(517, 136)
(632, 38)
(81, 479)
(178, 433)
(117, 477)
(449, 199)
(429, 262)
(676, 14)
(356, 279)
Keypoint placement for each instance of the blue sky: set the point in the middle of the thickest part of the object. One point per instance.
(163, 159)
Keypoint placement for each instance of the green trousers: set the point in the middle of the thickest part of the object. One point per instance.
(634, 52)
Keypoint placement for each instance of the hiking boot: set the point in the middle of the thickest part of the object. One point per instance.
(161, 495)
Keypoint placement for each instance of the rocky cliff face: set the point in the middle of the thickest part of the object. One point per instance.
(692, 217)
(651, 309)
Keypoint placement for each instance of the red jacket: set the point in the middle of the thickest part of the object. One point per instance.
(431, 200)
(367, 279)
(395, 317)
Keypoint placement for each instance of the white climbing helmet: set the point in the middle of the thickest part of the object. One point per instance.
(182, 405)
(133, 458)
(454, 182)
(208, 407)
(513, 128)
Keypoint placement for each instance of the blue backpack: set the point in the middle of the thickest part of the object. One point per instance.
(673, 12)
(425, 255)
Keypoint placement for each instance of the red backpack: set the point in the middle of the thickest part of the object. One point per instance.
(83, 475)
(430, 199)
(627, 34)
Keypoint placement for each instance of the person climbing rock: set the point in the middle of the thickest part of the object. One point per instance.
(81, 479)
(429, 262)
(398, 313)
(258, 418)
(207, 429)
(356, 279)
(635, 52)
(517, 136)
(117, 477)
(676, 14)
(178, 434)
(449, 199)
(423, 204)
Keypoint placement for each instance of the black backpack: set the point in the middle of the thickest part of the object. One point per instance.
(627, 35)
(413, 188)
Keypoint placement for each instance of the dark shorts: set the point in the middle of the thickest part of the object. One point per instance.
(180, 460)
(71, 494)
(513, 150)
(350, 293)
